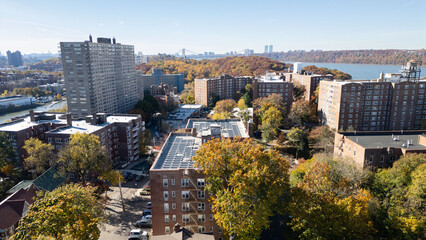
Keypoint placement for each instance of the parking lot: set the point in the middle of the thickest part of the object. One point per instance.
(121, 223)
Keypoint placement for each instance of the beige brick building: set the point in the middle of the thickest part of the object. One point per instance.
(378, 148)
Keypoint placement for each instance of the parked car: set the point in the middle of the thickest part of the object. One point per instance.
(147, 212)
(144, 222)
(135, 234)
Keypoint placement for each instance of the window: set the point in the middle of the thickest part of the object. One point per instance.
(220, 230)
(165, 183)
(371, 158)
(211, 217)
(173, 194)
(211, 228)
(185, 206)
(173, 182)
(201, 229)
(174, 218)
(166, 207)
(166, 218)
(185, 194)
(201, 194)
(382, 158)
(166, 195)
(167, 230)
(185, 182)
(201, 206)
(201, 182)
(201, 218)
(392, 158)
(173, 205)
(185, 218)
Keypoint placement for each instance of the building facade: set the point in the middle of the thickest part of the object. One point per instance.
(99, 77)
(118, 134)
(372, 105)
(310, 82)
(157, 78)
(378, 149)
(273, 84)
(177, 186)
(225, 87)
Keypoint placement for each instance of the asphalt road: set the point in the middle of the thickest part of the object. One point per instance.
(120, 223)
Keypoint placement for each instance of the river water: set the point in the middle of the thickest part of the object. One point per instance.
(46, 107)
(362, 71)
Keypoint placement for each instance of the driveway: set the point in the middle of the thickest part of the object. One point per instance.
(120, 223)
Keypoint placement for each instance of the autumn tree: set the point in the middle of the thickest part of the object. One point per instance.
(400, 190)
(68, 212)
(9, 170)
(299, 91)
(303, 112)
(83, 156)
(322, 137)
(224, 108)
(298, 139)
(39, 155)
(246, 184)
(328, 201)
(271, 121)
(144, 141)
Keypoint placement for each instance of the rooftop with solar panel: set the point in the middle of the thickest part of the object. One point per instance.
(179, 148)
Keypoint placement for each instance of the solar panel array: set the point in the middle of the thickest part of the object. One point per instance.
(228, 128)
(178, 152)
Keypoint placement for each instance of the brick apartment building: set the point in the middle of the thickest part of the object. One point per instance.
(372, 105)
(311, 82)
(272, 83)
(378, 148)
(177, 186)
(225, 86)
(145, 81)
(118, 133)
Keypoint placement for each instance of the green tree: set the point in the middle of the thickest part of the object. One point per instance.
(400, 190)
(246, 184)
(7, 156)
(39, 155)
(299, 91)
(84, 156)
(322, 137)
(213, 99)
(68, 212)
(303, 112)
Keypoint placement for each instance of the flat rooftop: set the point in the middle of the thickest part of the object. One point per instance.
(177, 152)
(25, 123)
(228, 127)
(80, 126)
(387, 140)
(184, 112)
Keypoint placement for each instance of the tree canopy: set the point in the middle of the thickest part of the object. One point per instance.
(39, 155)
(246, 184)
(68, 212)
(84, 156)
(223, 109)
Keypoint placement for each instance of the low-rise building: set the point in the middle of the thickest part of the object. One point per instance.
(16, 101)
(178, 118)
(378, 148)
(157, 78)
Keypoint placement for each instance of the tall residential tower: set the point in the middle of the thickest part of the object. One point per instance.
(99, 77)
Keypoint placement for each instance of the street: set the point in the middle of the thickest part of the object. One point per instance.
(120, 223)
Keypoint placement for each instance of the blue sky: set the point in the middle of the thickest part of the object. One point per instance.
(218, 26)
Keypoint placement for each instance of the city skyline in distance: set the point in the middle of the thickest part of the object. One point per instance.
(169, 26)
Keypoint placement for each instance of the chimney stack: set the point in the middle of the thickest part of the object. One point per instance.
(32, 117)
(69, 119)
(94, 119)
